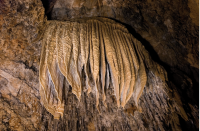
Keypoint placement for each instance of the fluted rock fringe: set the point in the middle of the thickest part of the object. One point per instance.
(101, 49)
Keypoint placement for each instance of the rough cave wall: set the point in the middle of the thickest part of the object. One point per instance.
(168, 30)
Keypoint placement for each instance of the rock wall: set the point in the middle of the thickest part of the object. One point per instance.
(168, 30)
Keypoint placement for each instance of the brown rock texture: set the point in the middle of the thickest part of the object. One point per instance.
(167, 29)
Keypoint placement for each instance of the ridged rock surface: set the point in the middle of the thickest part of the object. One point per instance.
(160, 105)
(86, 52)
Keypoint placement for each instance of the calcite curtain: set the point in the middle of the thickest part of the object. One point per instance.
(92, 54)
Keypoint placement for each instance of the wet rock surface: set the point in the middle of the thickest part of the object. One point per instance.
(167, 29)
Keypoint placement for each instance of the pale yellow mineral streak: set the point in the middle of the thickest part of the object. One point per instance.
(102, 49)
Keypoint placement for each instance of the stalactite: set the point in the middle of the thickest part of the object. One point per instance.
(101, 49)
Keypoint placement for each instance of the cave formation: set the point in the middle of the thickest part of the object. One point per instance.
(98, 48)
(98, 65)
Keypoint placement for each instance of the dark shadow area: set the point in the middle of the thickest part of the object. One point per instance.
(48, 5)
(187, 125)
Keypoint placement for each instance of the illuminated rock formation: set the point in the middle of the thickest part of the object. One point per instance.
(97, 50)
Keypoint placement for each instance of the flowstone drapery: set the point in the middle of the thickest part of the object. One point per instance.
(92, 54)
